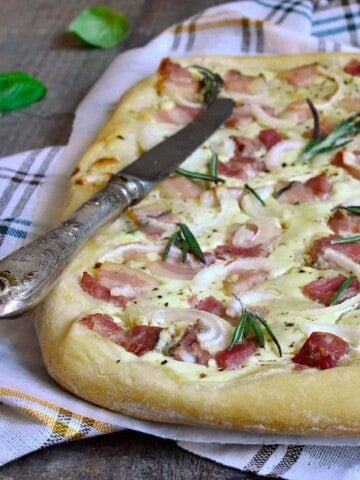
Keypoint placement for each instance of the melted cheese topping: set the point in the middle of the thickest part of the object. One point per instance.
(292, 315)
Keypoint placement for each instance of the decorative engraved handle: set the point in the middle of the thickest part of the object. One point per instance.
(27, 274)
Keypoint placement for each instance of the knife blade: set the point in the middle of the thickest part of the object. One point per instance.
(27, 275)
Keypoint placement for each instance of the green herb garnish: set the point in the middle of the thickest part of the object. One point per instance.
(283, 189)
(248, 322)
(186, 241)
(214, 164)
(19, 90)
(351, 209)
(211, 81)
(352, 239)
(199, 176)
(256, 195)
(339, 137)
(100, 26)
(346, 283)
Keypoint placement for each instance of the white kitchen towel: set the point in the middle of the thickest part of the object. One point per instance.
(34, 411)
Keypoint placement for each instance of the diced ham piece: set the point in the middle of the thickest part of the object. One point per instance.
(125, 281)
(173, 78)
(315, 188)
(270, 137)
(235, 81)
(323, 290)
(322, 245)
(321, 350)
(155, 220)
(244, 168)
(224, 251)
(181, 187)
(211, 304)
(353, 67)
(94, 288)
(188, 348)
(344, 224)
(178, 115)
(303, 76)
(235, 357)
(350, 161)
(138, 340)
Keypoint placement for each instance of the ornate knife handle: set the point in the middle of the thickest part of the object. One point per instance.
(27, 274)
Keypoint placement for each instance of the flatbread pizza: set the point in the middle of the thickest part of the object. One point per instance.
(229, 296)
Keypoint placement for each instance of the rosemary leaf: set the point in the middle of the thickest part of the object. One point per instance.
(214, 164)
(346, 283)
(171, 242)
(352, 239)
(314, 112)
(258, 332)
(256, 195)
(270, 332)
(351, 209)
(238, 335)
(199, 176)
(339, 137)
(283, 189)
(194, 246)
(184, 251)
(211, 81)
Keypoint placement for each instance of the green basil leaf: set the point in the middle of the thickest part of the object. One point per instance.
(100, 26)
(19, 90)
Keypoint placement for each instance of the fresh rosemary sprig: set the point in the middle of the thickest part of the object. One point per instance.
(199, 176)
(248, 322)
(214, 164)
(352, 239)
(351, 209)
(186, 241)
(211, 81)
(339, 137)
(256, 195)
(346, 283)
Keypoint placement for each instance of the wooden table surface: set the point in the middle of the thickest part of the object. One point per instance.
(33, 38)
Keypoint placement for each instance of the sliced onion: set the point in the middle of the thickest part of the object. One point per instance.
(338, 258)
(269, 121)
(154, 133)
(274, 157)
(129, 250)
(264, 231)
(339, 91)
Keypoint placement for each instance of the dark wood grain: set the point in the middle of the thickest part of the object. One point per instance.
(33, 38)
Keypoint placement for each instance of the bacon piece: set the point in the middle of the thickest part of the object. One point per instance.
(303, 76)
(178, 115)
(298, 110)
(241, 281)
(349, 161)
(320, 246)
(91, 286)
(353, 67)
(181, 187)
(315, 188)
(244, 168)
(235, 357)
(222, 251)
(234, 81)
(270, 137)
(175, 268)
(124, 280)
(138, 340)
(324, 289)
(321, 350)
(241, 116)
(155, 220)
(173, 78)
(246, 147)
(343, 223)
(188, 348)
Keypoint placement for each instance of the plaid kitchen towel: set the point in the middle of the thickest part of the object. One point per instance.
(34, 412)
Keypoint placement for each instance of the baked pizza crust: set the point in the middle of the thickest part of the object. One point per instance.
(307, 402)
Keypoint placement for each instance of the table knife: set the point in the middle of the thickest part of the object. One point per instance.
(27, 275)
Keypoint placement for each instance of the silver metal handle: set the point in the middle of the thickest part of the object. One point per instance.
(27, 275)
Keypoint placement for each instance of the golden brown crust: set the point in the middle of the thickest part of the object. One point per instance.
(96, 369)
